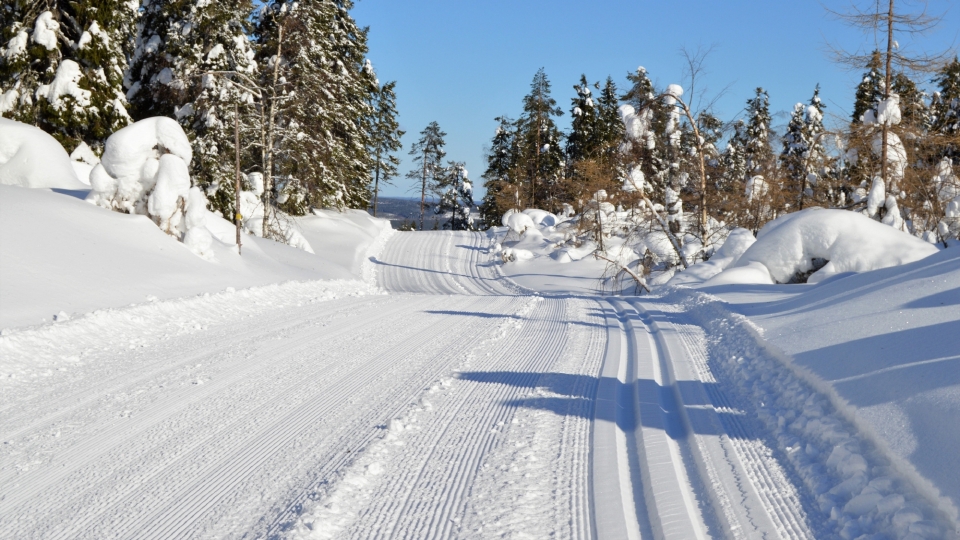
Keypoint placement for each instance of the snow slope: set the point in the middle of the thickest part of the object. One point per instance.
(887, 345)
(61, 254)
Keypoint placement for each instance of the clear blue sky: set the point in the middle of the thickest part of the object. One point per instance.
(462, 63)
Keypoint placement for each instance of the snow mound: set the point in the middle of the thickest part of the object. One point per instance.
(732, 249)
(821, 243)
(130, 168)
(518, 222)
(541, 218)
(31, 158)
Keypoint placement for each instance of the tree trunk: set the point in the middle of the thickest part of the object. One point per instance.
(271, 133)
(376, 185)
(236, 186)
(886, 95)
(423, 188)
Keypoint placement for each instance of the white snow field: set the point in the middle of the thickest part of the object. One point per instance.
(405, 388)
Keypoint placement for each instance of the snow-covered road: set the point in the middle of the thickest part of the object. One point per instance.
(457, 405)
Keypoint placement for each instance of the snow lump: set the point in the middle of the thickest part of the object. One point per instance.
(31, 158)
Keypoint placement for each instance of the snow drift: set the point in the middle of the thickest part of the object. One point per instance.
(31, 158)
(821, 243)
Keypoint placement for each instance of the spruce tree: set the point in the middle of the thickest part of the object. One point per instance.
(62, 69)
(583, 141)
(540, 154)
(324, 105)
(384, 138)
(456, 197)
(803, 156)
(187, 55)
(500, 181)
(428, 153)
(946, 110)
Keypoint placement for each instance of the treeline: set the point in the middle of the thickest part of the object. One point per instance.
(289, 80)
(701, 175)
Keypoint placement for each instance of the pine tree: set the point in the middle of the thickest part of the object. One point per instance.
(384, 138)
(758, 158)
(324, 106)
(583, 141)
(945, 120)
(456, 197)
(540, 155)
(653, 153)
(62, 69)
(500, 181)
(428, 154)
(185, 58)
(803, 156)
(610, 127)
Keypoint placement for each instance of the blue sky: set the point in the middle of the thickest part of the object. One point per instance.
(462, 63)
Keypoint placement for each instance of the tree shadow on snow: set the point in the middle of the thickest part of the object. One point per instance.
(646, 403)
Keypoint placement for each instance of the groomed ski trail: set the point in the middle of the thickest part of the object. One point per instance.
(457, 405)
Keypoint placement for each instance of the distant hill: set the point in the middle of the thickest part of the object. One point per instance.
(403, 210)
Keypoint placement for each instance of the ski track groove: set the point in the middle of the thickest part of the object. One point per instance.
(252, 427)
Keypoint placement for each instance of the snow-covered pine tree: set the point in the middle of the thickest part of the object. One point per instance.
(456, 197)
(610, 128)
(327, 112)
(758, 157)
(62, 64)
(539, 143)
(651, 152)
(946, 109)
(428, 154)
(583, 140)
(803, 156)
(500, 180)
(186, 55)
(384, 138)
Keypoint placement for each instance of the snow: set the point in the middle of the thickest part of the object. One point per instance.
(843, 241)
(83, 160)
(168, 388)
(45, 31)
(62, 254)
(66, 83)
(16, 46)
(31, 158)
(882, 344)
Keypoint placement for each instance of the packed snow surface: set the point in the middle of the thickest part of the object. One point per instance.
(148, 392)
(29, 157)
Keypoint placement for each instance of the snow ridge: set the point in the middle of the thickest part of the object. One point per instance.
(32, 353)
(859, 488)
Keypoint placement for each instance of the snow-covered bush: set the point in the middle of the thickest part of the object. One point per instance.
(31, 158)
(815, 244)
(135, 177)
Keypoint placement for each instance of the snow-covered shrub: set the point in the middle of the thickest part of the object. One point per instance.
(817, 243)
(131, 169)
(31, 158)
(145, 170)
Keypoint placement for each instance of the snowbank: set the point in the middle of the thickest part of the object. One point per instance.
(31, 158)
(736, 244)
(884, 344)
(58, 253)
(821, 243)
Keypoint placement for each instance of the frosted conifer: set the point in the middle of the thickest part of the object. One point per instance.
(182, 67)
(61, 67)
